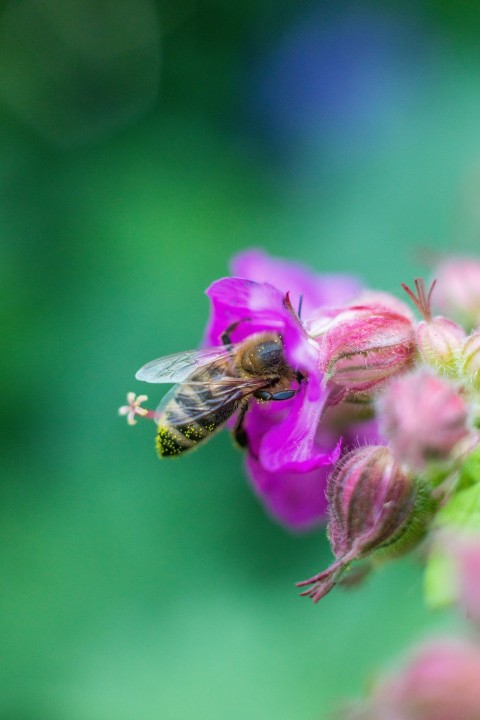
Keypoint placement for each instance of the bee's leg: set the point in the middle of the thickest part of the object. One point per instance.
(239, 432)
(225, 337)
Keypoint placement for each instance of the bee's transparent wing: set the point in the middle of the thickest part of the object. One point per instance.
(179, 366)
(197, 399)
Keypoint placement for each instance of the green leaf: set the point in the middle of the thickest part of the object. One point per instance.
(470, 470)
(462, 511)
(460, 514)
(440, 580)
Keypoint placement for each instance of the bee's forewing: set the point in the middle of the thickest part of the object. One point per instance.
(199, 399)
(165, 400)
(178, 367)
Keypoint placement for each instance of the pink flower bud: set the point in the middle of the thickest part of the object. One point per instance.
(423, 416)
(440, 682)
(439, 342)
(438, 339)
(458, 293)
(469, 360)
(367, 343)
(373, 505)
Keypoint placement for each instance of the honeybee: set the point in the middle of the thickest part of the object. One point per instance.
(213, 384)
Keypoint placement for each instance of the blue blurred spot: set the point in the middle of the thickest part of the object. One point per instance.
(342, 77)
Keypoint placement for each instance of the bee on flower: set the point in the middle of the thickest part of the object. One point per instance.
(282, 346)
(299, 368)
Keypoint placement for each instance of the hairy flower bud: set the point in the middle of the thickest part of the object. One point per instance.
(439, 342)
(374, 505)
(423, 416)
(364, 344)
(458, 293)
(440, 682)
(469, 360)
(438, 338)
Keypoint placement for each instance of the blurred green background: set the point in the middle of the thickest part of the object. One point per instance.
(143, 143)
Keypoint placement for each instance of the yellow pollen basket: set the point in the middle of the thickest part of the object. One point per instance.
(166, 443)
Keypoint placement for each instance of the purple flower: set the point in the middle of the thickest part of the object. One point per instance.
(289, 455)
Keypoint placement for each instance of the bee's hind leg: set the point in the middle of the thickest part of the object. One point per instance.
(239, 432)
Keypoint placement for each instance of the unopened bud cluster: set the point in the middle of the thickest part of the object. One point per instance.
(293, 362)
(421, 379)
(425, 482)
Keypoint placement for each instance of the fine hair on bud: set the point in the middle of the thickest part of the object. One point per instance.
(469, 360)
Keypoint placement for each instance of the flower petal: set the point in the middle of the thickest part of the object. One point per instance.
(316, 290)
(291, 443)
(294, 499)
(258, 307)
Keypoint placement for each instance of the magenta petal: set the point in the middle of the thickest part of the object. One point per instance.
(260, 307)
(294, 499)
(244, 295)
(287, 276)
(291, 443)
(300, 352)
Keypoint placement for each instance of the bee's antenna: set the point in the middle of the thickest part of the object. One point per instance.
(300, 303)
(288, 304)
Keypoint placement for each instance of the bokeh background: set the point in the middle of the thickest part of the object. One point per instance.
(142, 144)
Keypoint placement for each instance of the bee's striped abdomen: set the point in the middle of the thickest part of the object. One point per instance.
(178, 432)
